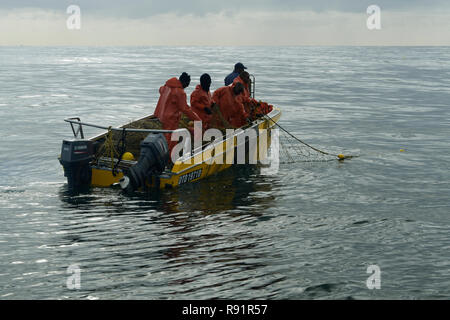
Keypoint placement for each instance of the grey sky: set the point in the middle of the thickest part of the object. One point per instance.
(225, 22)
(145, 8)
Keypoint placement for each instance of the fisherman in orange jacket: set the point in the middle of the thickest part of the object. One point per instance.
(252, 106)
(231, 105)
(201, 100)
(172, 103)
(244, 78)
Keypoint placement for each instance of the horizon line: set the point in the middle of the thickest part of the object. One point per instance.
(229, 46)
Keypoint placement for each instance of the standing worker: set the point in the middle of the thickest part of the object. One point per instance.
(238, 68)
(201, 100)
(172, 103)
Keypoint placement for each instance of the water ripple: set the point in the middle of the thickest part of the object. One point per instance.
(307, 233)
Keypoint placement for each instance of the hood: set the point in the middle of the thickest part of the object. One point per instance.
(174, 83)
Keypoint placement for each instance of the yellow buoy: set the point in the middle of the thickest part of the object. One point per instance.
(341, 156)
(128, 156)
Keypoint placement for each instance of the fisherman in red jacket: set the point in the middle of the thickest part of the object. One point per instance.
(172, 103)
(253, 107)
(231, 107)
(244, 78)
(201, 100)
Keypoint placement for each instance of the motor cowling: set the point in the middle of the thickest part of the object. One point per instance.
(76, 156)
(152, 161)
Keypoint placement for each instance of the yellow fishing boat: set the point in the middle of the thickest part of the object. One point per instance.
(96, 162)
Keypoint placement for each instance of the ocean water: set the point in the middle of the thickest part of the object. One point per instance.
(309, 232)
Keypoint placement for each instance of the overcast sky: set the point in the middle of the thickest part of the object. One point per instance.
(225, 22)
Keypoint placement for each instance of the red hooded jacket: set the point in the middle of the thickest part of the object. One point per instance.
(199, 100)
(171, 104)
(231, 106)
(246, 93)
(245, 96)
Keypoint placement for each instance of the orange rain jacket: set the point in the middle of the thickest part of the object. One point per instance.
(171, 104)
(199, 100)
(245, 96)
(251, 105)
(231, 106)
(246, 93)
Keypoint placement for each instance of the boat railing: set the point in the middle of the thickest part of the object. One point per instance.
(253, 86)
(79, 131)
(228, 136)
(182, 131)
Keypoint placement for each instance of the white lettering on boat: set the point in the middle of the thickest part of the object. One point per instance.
(190, 176)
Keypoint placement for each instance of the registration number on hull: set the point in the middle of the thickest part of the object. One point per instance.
(190, 176)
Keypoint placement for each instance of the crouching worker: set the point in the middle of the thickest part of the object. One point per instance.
(201, 100)
(230, 104)
(172, 103)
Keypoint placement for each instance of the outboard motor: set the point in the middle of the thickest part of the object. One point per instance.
(152, 161)
(75, 158)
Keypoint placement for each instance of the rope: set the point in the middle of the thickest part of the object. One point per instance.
(339, 156)
(122, 151)
(108, 147)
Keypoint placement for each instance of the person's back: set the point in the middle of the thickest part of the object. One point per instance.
(230, 78)
(230, 104)
(171, 99)
(201, 100)
(244, 78)
(172, 103)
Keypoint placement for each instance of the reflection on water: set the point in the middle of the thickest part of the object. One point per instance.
(227, 190)
(177, 234)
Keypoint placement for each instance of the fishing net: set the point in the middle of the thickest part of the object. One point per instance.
(293, 150)
(217, 120)
(117, 142)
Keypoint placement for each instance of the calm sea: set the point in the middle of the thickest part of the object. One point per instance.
(309, 232)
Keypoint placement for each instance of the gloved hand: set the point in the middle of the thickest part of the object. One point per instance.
(208, 110)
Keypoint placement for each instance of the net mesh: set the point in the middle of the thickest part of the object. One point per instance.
(293, 150)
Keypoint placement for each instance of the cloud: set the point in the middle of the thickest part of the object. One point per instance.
(148, 8)
(262, 27)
